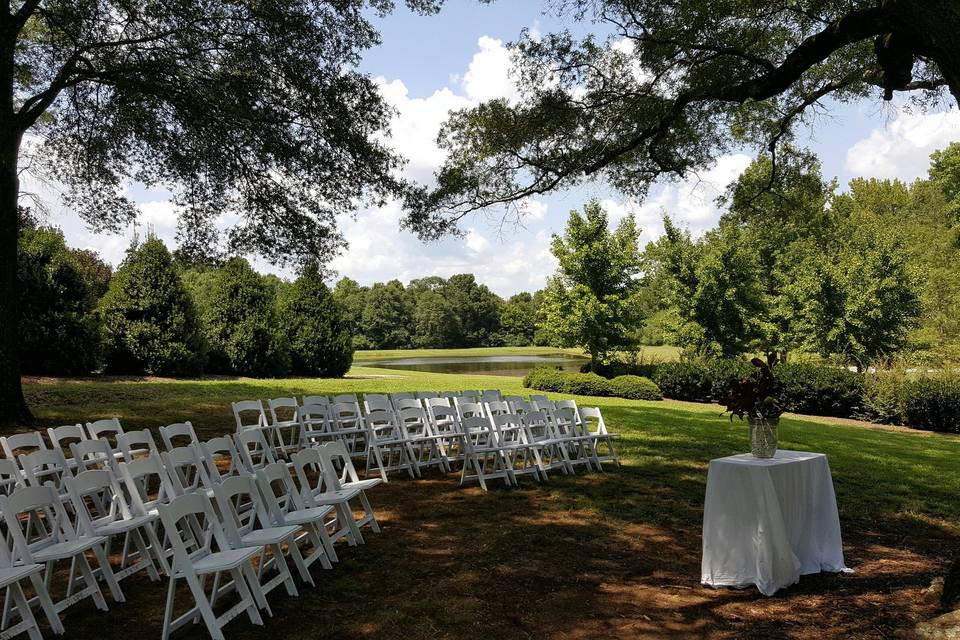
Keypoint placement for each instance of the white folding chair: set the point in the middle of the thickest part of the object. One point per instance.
(540, 398)
(346, 398)
(406, 403)
(249, 414)
(577, 445)
(426, 395)
(187, 470)
(315, 424)
(496, 408)
(322, 400)
(405, 395)
(593, 426)
(551, 451)
(214, 451)
(108, 428)
(102, 510)
(348, 424)
(437, 402)
(10, 476)
(61, 437)
(133, 444)
(148, 484)
(483, 458)
(172, 433)
(284, 416)
(445, 424)
(22, 443)
(93, 454)
(522, 455)
(200, 554)
(470, 410)
(46, 467)
(285, 508)
(342, 476)
(254, 451)
(41, 533)
(376, 402)
(247, 525)
(386, 449)
(520, 407)
(424, 446)
(10, 577)
(491, 395)
(318, 490)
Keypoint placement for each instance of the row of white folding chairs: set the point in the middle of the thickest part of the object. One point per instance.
(102, 512)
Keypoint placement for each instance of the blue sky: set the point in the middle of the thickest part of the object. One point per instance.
(428, 65)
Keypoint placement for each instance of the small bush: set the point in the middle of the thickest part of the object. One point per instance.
(819, 390)
(683, 381)
(635, 388)
(584, 384)
(933, 403)
(883, 396)
(724, 373)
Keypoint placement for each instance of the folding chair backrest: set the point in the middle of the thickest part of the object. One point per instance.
(566, 404)
(407, 403)
(133, 443)
(426, 395)
(509, 428)
(346, 398)
(20, 443)
(477, 432)
(376, 402)
(61, 437)
(338, 464)
(592, 420)
(253, 449)
(465, 398)
(565, 421)
(192, 528)
(108, 428)
(39, 504)
(449, 395)
(345, 415)
(10, 476)
(520, 407)
(472, 393)
(511, 399)
(147, 483)
(491, 395)
(543, 404)
(170, 434)
(283, 410)
(97, 498)
(241, 507)
(470, 410)
(497, 408)
(278, 491)
(215, 451)
(439, 402)
(249, 414)
(381, 425)
(93, 454)
(186, 469)
(412, 421)
(311, 475)
(446, 420)
(45, 466)
(537, 425)
(324, 400)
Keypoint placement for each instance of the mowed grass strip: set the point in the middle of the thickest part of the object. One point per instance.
(597, 555)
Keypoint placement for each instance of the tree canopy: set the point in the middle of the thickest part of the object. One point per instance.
(674, 85)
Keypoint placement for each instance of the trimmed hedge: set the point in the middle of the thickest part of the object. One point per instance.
(590, 384)
(933, 403)
(820, 391)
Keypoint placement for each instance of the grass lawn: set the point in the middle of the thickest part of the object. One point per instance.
(600, 555)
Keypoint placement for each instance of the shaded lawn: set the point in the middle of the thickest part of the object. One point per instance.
(598, 555)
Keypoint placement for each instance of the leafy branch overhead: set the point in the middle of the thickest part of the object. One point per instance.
(677, 84)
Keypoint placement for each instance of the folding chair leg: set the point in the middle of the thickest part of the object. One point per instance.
(368, 510)
(28, 622)
(247, 585)
(91, 582)
(107, 572)
(46, 603)
(294, 550)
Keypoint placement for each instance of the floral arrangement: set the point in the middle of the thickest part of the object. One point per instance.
(756, 396)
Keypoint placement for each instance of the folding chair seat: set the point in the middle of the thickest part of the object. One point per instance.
(386, 449)
(109, 429)
(41, 533)
(10, 578)
(102, 510)
(214, 451)
(317, 490)
(315, 424)
(247, 525)
(522, 455)
(201, 550)
(22, 443)
(46, 467)
(285, 508)
(592, 425)
(179, 434)
(284, 416)
(483, 458)
(254, 451)
(342, 476)
(423, 445)
(133, 444)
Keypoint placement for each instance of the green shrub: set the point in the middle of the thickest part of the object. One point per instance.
(315, 326)
(683, 381)
(239, 317)
(819, 390)
(724, 373)
(149, 317)
(635, 388)
(933, 403)
(58, 328)
(585, 384)
(883, 396)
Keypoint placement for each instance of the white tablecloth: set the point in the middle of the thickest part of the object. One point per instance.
(767, 522)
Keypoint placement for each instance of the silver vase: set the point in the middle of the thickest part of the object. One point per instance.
(763, 436)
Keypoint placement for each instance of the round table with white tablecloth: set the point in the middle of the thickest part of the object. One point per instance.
(767, 522)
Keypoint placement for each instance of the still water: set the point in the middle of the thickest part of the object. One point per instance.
(487, 365)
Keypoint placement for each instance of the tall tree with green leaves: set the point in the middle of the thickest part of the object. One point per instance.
(591, 301)
(518, 320)
(317, 330)
(149, 318)
(672, 85)
(387, 316)
(253, 109)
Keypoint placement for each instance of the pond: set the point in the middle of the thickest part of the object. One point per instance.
(486, 365)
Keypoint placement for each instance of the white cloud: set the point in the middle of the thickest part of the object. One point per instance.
(488, 77)
(902, 149)
(475, 242)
